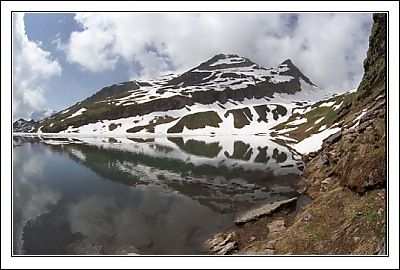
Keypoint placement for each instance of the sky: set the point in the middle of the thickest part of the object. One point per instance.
(62, 58)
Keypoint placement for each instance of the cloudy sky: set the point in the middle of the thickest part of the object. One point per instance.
(62, 58)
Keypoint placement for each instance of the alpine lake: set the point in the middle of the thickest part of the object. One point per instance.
(141, 195)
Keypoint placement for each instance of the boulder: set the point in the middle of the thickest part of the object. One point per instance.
(261, 211)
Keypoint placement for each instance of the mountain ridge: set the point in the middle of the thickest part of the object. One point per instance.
(227, 94)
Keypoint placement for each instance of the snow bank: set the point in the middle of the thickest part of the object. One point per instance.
(314, 142)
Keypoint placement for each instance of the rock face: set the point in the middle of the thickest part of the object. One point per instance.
(355, 157)
(261, 211)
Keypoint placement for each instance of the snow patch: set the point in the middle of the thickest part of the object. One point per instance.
(314, 142)
(319, 120)
(364, 111)
(327, 104)
(298, 121)
(79, 112)
(337, 106)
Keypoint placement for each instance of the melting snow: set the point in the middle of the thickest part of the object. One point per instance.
(314, 142)
(79, 112)
(327, 104)
(231, 60)
(298, 121)
(337, 106)
(359, 117)
(319, 120)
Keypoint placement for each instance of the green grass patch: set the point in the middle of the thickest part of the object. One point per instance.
(196, 121)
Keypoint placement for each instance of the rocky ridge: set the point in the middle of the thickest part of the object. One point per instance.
(228, 94)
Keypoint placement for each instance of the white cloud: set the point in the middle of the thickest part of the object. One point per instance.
(31, 66)
(329, 48)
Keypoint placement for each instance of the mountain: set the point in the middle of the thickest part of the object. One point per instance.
(22, 125)
(227, 94)
(38, 116)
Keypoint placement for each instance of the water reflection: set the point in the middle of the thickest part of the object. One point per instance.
(161, 195)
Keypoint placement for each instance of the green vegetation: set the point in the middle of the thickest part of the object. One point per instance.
(195, 121)
(241, 117)
(329, 115)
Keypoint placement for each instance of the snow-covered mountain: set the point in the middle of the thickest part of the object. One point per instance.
(22, 125)
(227, 94)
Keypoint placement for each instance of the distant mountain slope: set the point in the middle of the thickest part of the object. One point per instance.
(227, 94)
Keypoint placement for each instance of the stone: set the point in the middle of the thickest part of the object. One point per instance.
(276, 227)
(327, 181)
(261, 211)
(309, 217)
(270, 245)
(228, 247)
(214, 240)
(332, 139)
(224, 242)
(221, 244)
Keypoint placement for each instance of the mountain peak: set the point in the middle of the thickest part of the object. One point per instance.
(287, 62)
(295, 71)
(222, 61)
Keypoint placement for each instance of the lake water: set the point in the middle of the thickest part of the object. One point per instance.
(162, 195)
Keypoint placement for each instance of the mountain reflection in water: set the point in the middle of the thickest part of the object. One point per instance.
(162, 195)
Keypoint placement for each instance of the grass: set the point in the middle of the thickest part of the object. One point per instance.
(195, 121)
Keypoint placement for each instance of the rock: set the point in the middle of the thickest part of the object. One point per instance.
(332, 139)
(226, 248)
(220, 244)
(214, 240)
(270, 245)
(327, 181)
(276, 227)
(252, 239)
(309, 218)
(321, 161)
(261, 211)
(224, 242)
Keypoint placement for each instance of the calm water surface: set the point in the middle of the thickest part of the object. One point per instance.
(161, 195)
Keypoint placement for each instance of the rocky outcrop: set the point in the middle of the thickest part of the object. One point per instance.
(221, 244)
(262, 211)
(355, 157)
